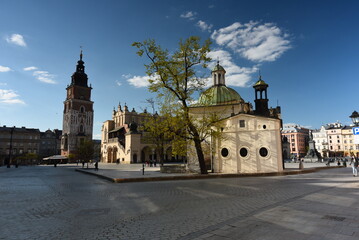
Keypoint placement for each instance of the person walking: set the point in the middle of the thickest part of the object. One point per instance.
(354, 163)
(96, 166)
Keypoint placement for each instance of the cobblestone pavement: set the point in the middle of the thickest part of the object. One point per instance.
(44, 202)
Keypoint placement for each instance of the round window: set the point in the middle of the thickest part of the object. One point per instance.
(243, 152)
(264, 126)
(224, 152)
(263, 152)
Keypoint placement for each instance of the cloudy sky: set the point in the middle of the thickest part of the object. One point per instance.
(307, 51)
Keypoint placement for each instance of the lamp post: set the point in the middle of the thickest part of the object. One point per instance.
(10, 150)
(355, 119)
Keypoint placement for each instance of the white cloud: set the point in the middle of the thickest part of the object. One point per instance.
(235, 75)
(30, 68)
(9, 97)
(139, 81)
(44, 76)
(126, 75)
(204, 26)
(253, 41)
(16, 39)
(118, 83)
(189, 15)
(4, 69)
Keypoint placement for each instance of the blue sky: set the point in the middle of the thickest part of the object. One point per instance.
(307, 51)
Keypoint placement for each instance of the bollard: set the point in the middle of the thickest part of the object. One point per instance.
(300, 164)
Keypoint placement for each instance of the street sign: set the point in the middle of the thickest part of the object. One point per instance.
(355, 130)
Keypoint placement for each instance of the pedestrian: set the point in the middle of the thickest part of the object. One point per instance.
(83, 164)
(96, 166)
(354, 163)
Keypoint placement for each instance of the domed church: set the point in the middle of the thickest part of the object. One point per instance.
(250, 140)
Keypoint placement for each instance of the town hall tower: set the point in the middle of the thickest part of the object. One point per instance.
(78, 112)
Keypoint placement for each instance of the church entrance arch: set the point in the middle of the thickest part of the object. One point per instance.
(109, 155)
(134, 158)
(145, 154)
(114, 155)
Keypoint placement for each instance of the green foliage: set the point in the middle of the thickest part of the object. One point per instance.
(85, 151)
(173, 76)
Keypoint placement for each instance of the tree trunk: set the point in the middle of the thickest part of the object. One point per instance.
(200, 156)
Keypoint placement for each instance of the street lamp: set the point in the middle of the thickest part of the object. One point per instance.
(355, 118)
(10, 152)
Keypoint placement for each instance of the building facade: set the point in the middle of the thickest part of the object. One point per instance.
(320, 137)
(250, 139)
(335, 140)
(122, 140)
(297, 137)
(19, 141)
(78, 112)
(50, 143)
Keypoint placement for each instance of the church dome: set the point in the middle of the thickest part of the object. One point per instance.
(219, 95)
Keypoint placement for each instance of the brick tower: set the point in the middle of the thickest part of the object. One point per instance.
(78, 111)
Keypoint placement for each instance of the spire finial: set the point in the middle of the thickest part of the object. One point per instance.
(260, 75)
(81, 53)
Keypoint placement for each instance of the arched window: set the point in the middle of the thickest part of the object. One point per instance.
(82, 109)
(81, 128)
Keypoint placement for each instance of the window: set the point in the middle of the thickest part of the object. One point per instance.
(264, 126)
(224, 152)
(263, 152)
(242, 123)
(243, 152)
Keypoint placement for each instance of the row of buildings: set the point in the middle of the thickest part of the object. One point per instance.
(252, 137)
(331, 140)
(31, 142)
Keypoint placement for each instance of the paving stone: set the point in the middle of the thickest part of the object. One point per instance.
(58, 203)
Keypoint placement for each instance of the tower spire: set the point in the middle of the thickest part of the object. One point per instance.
(81, 53)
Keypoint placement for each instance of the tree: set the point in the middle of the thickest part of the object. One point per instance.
(85, 151)
(174, 76)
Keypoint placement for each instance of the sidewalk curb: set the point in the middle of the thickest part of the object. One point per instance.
(197, 176)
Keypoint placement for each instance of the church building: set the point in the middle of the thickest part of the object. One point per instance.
(250, 140)
(78, 112)
(123, 141)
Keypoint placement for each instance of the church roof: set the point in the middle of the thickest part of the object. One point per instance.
(260, 82)
(218, 67)
(219, 95)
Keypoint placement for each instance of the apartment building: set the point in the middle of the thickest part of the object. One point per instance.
(297, 137)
